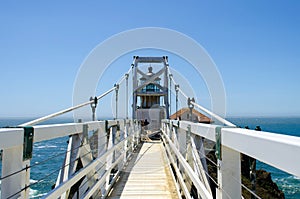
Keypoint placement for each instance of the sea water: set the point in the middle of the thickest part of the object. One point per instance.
(45, 173)
(288, 183)
(47, 159)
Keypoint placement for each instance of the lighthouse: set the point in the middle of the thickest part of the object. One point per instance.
(150, 91)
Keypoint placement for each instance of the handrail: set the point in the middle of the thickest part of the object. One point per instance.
(179, 176)
(237, 139)
(189, 171)
(66, 185)
(230, 143)
(16, 179)
(124, 76)
(42, 119)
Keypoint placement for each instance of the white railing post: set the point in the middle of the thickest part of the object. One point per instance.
(12, 161)
(109, 158)
(137, 133)
(132, 132)
(229, 170)
(126, 142)
(182, 141)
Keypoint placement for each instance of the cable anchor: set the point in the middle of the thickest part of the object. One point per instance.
(94, 106)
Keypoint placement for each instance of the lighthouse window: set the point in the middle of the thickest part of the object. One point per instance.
(151, 88)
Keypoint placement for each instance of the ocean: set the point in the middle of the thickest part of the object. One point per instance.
(55, 149)
(288, 183)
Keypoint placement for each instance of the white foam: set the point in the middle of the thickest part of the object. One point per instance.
(32, 192)
(296, 177)
(38, 195)
(32, 181)
(45, 146)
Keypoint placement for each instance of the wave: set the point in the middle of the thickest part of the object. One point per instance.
(38, 195)
(296, 177)
(35, 193)
(45, 146)
(32, 181)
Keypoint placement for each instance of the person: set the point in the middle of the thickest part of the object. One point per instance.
(146, 122)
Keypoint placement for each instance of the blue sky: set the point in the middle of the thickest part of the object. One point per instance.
(255, 45)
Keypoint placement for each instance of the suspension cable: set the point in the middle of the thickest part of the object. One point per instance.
(224, 121)
(182, 93)
(213, 115)
(214, 164)
(97, 171)
(244, 186)
(42, 119)
(124, 76)
(175, 83)
(210, 177)
(178, 160)
(44, 177)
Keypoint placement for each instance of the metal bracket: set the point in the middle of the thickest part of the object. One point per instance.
(85, 131)
(218, 140)
(171, 129)
(107, 128)
(117, 86)
(118, 126)
(94, 106)
(106, 125)
(188, 135)
(1, 153)
(175, 123)
(176, 87)
(28, 142)
(191, 106)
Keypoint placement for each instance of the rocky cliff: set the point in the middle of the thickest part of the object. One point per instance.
(264, 185)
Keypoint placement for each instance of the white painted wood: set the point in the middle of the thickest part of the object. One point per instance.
(11, 137)
(109, 158)
(66, 185)
(64, 173)
(275, 145)
(48, 132)
(199, 167)
(229, 174)
(280, 151)
(12, 161)
(100, 182)
(181, 134)
(233, 141)
(189, 171)
(178, 173)
(146, 176)
(95, 125)
(202, 130)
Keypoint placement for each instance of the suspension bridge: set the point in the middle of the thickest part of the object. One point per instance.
(145, 155)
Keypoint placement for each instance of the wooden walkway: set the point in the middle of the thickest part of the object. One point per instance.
(146, 176)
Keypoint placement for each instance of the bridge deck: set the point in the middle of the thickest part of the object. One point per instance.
(146, 176)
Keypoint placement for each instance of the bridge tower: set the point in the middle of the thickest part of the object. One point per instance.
(150, 90)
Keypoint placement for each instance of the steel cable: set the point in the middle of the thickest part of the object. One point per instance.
(44, 177)
(45, 118)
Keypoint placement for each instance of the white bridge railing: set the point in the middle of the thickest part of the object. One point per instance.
(96, 154)
(184, 145)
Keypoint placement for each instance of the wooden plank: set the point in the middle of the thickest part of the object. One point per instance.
(146, 176)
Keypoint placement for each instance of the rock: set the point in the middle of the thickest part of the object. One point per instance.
(265, 187)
